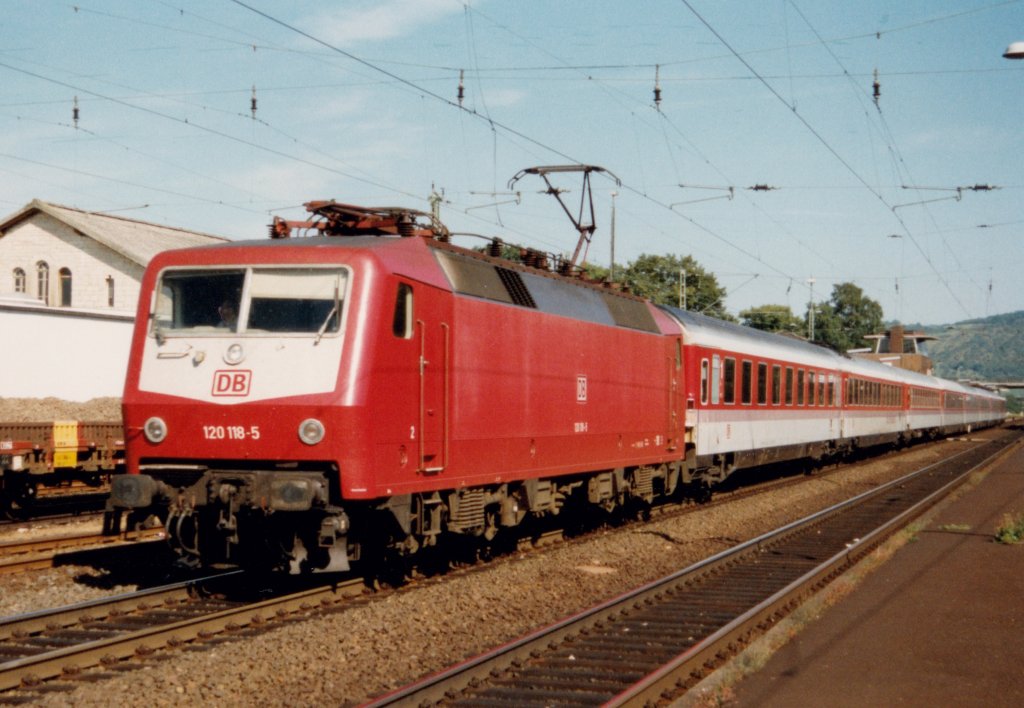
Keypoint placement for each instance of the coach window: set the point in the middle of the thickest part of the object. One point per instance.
(401, 325)
(810, 387)
(716, 382)
(799, 387)
(762, 383)
(19, 280)
(110, 291)
(776, 385)
(821, 389)
(831, 398)
(746, 383)
(704, 369)
(789, 385)
(43, 282)
(729, 373)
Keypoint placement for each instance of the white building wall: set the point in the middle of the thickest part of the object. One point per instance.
(43, 238)
(65, 353)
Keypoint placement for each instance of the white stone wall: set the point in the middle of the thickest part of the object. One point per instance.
(43, 238)
(62, 352)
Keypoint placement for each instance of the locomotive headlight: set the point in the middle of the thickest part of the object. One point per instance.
(155, 430)
(311, 431)
(234, 354)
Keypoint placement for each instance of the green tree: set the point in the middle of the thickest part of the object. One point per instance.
(661, 278)
(772, 318)
(842, 322)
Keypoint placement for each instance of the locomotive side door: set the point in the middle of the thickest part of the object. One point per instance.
(676, 398)
(432, 332)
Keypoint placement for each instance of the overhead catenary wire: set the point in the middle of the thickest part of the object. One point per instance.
(671, 148)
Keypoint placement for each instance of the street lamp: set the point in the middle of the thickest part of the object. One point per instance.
(1014, 51)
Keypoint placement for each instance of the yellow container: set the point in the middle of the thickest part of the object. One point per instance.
(65, 443)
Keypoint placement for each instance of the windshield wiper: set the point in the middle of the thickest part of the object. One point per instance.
(157, 332)
(327, 320)
(323, 327)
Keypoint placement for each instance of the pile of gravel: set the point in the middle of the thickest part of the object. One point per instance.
(32, 410)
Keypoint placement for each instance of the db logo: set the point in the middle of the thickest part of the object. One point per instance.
(231, 383)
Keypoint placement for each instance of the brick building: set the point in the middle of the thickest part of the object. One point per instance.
(66, 257)
(69, 286)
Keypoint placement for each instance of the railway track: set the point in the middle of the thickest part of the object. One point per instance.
(36, 554)
(59, 645)
(56, 506)
(651, 644)
(65, 641)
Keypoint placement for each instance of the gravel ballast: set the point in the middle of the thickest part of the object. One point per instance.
(346, 657)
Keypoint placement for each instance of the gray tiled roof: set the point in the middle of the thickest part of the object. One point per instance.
(137, 241)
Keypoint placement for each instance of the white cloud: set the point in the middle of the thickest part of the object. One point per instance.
(503, 98)
(379, 20)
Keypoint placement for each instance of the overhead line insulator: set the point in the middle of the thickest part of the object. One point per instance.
(657, 87)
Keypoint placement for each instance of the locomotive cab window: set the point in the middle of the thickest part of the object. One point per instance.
(252, 301)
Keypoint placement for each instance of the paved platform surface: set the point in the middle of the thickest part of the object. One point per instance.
(940, 624)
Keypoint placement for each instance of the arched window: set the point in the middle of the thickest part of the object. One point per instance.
(65, 287)
(43, 281)
(19, 280)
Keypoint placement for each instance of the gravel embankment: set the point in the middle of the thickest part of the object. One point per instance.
(41, 410)
(348, 656)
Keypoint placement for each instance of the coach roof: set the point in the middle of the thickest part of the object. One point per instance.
(704, 331)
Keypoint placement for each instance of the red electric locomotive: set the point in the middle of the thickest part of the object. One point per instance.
(301, 403)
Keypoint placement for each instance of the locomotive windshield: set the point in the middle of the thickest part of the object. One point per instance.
(254, 301)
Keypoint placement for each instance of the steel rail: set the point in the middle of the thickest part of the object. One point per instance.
(141, 641)
(52, 547)
(628, 670)
(668, 678)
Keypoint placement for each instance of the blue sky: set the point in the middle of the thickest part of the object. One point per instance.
(357, 101)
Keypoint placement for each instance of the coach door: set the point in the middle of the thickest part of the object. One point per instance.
(434, 405)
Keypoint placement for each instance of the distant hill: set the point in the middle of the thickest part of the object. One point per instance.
(989, 349)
